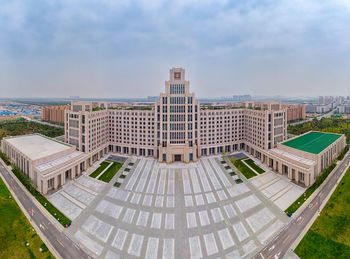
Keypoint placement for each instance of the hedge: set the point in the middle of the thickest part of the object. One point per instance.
(58, 215)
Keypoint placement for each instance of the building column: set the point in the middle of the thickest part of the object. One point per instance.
(55, 182)
(63, 178)
(280, 168)
(297, 176)
(307, 179)
(289, 173)
(45, 186)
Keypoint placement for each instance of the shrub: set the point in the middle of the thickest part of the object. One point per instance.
(239, 181)
(319, 180)
(127, 169)
(227, 167)
(5, 158)
(342, 154)
(117, 184)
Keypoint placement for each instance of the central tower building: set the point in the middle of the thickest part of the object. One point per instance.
(177, 114)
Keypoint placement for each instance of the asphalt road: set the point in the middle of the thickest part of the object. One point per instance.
(280, 245)
(43, 122)
(64, 246)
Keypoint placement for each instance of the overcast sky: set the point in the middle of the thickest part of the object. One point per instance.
(121, 48)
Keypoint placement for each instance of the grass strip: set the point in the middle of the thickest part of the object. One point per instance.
(58, 215)
(329, 235)
(245, 170)
(110, 172)
(252, 164)
(302, 198)
(102, 167)
(16, 231)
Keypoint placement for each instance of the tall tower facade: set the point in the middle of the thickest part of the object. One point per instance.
(177, 118)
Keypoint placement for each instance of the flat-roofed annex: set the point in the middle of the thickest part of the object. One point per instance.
(313, 142)
(36, 146)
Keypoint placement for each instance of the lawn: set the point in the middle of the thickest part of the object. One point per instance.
(110, 172)
(102, 167)
(252, 164)
(16, 230)
(245, 170)
(329, 236)
(319, 180)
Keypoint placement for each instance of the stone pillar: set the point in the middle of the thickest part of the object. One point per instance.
(63, 178)
(290, 173)
(280, 168)
(71, 173)
(55, 182)
(45, 186)
(296, 176)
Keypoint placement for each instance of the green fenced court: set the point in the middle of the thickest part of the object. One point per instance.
(312, 142)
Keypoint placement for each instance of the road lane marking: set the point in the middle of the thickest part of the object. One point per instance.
(60, 243)
(285, 240)
(45, 226)
(262, 256)
(301, 221)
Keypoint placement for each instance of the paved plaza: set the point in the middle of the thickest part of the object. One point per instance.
(176, 210)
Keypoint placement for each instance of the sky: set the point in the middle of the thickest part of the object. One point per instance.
(125, 48)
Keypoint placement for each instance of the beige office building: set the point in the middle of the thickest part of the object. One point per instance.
(175, 128)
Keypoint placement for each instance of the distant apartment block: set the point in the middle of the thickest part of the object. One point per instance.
(54, 113)
(295, 112)
(314, 108)
(343, 109)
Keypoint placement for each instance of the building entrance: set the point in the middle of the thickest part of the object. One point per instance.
(177, 158)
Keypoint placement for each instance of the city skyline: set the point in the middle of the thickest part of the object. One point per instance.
(105, 49)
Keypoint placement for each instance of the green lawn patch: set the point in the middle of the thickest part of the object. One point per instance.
(245, 170)
(329, 236)
(110, 172)
(99, 170)
(16, 230)
(58, 215)
(252, 164)
(319, 180)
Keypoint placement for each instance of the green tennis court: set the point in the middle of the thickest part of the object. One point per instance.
(313, 142)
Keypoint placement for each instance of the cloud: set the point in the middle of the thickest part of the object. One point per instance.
(252, 37)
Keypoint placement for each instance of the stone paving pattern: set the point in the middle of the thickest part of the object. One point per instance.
(179, 210)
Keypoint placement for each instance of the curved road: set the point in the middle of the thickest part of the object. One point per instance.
(64, 246)
(281, 244)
